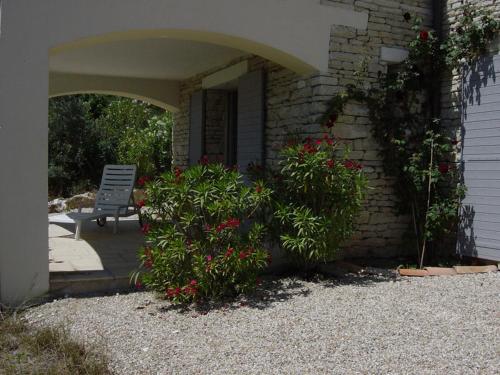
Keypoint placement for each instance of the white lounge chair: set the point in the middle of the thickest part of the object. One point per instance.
(114, 198)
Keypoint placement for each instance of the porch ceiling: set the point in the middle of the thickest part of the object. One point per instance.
(157, 58)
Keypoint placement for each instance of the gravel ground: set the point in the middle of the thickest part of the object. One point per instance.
(434, 325)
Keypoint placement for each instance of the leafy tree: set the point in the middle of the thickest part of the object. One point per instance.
(75, 158)
(88, 131)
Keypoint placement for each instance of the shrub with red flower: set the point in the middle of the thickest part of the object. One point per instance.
(423, 35)
(318, 199)
(146, 228)
(141, 203)
(351, 164)
(330, 123)
(199, 221)
(443, 168)
(141, 181)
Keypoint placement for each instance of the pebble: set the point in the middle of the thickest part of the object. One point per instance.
(365, 325)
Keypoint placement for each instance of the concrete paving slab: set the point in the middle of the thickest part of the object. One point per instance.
(74, 264)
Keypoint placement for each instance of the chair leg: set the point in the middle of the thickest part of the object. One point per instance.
(78, 230)
(115, 227)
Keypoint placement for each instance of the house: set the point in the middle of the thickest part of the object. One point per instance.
(238, 74)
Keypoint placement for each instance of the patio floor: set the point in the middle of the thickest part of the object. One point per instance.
(100, 262)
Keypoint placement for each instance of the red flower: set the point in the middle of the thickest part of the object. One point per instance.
(258, 189)
(443, 168)
(204, 160)
(350, 164)
(141, 203)
(331, 120)
(327, 139)
(233, 222)
(142, 180)
(138, 285)
(220, 227)
(209, 258)
(193, 283)
(319, 142)
(243, 255)
(309, 148)
(424, 35)
(146, 228)
(330, 163)
(229, 252)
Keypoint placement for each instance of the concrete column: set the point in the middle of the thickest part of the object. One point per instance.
(23, 155)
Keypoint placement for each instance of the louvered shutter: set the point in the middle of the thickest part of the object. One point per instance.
(251, 118)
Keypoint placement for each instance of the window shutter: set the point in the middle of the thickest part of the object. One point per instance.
(251, 118)
(196, 127)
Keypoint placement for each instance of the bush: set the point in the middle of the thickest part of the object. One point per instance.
(138, 133)
(203, 239)
(318, 196)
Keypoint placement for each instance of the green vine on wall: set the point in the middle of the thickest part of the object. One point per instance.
(404, 111)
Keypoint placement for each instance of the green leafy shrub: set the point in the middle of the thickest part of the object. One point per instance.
(88, 131)
(203, 239)
(139, 134)
(318, 194)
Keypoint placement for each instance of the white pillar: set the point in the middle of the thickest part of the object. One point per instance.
(23, 155)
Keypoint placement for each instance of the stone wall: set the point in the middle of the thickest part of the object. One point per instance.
(294, 104)
(215, 125)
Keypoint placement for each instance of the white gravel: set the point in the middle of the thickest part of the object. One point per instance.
(434, 325)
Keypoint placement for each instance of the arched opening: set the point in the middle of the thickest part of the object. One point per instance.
(86, 133)
(34, 37)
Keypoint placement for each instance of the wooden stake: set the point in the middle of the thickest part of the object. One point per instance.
(429, 188)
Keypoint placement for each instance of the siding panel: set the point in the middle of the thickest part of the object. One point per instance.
(479, 230)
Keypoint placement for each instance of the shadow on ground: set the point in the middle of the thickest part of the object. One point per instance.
(278, 289)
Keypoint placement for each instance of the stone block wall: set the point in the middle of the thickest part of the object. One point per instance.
(215, 125)
(295, 103)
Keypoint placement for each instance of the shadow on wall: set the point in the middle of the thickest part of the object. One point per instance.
(475, 77)
(466, 240)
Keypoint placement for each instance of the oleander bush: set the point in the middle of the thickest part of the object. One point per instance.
(203, 236)
(319, 193)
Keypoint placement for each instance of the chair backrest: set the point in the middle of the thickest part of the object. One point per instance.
(117, 186)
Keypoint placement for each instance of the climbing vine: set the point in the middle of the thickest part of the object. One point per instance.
(404, 109)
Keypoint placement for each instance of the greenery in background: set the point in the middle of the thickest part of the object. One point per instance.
(203, 239)
(318, 194)
(404, 110)
(88, 131)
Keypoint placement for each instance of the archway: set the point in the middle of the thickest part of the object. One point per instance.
(34, 32)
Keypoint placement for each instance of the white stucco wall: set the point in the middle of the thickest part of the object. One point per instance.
(294, 33)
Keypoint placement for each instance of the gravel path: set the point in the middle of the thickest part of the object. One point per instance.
(435, 325)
